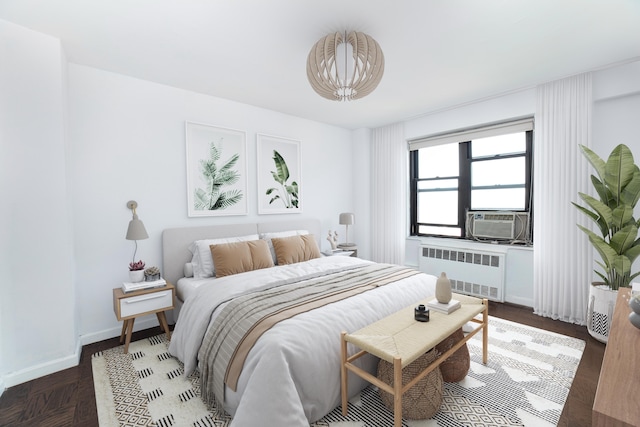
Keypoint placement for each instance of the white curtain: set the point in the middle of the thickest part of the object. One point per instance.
(389, 160)
(562, 254)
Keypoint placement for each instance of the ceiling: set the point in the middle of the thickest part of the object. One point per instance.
(438, 53)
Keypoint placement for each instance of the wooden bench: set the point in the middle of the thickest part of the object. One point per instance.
(400, 339)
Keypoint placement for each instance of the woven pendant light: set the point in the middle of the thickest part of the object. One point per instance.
(345, 66)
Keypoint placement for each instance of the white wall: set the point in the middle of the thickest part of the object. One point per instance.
(37, 301)
(360, 177)
(616, 118)
(128, 143)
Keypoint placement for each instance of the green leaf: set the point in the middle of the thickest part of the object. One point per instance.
(619, 170)
(621, 216)
(214, 151)
(607, 253)
(633, 252)
(273, 199)
(595, 160)
(622, 240)
(595, 217)
(227, 199)
(604, 212)
(604, 193)
(631, 193)
(282, 174)
(277, 178)
(230, 163)
(212, 197)
(622, 265)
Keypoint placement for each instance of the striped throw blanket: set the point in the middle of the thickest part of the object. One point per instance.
(242, 321)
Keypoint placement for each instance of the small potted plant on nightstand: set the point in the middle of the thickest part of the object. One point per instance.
(136, 271)
(151, 274)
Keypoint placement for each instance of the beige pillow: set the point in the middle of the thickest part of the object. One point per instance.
(238, 257)
(290, 250)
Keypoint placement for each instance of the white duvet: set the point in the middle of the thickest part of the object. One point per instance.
(291, 377)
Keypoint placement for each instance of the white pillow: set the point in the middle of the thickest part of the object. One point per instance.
(279, 234)
(202, 260)
(187, 270)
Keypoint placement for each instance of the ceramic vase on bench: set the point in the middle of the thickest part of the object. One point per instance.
(443, 289)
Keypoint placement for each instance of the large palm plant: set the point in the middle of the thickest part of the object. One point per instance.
(212, 197)
(618, 188)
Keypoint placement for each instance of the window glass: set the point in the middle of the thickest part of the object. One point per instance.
(498, 172)
(438, 207)
(501, 144)
(438, 184)
(441, 160)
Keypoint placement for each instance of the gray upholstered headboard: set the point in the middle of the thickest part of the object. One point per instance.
(176, 241)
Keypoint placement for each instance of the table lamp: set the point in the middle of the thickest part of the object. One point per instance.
(347, 219)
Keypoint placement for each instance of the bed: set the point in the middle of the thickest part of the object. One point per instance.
(267, 340)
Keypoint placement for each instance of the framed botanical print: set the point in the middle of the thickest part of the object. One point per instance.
(279, 177)
(216, 170)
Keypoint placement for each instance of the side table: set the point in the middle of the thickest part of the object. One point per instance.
(351, 248)
(129, 306)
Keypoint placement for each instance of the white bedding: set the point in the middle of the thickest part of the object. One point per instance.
(291, 377)
(188, 285)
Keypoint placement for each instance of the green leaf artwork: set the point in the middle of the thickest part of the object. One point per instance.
(286, 193)
(216, 177)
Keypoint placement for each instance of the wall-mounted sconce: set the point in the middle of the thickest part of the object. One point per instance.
(136, 230)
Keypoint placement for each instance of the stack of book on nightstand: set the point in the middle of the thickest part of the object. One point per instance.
(448, 308)
(130, 287)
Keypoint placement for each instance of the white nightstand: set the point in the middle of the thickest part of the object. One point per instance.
(140, 303)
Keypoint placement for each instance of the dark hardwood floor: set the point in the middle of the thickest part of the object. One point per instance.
(67, 398)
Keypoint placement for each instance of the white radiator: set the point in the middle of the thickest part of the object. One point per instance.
(472, 272)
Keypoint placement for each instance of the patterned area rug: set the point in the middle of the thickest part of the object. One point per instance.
(525, 383)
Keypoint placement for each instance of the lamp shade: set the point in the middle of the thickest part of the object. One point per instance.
(136, 230)
(343, 66)
(347, 218)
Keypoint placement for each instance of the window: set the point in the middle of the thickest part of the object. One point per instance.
(488, 169)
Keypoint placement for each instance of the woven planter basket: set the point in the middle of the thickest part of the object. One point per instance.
(422, 400)
(456, 367)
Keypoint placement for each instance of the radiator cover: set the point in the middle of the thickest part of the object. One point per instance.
(472, 272)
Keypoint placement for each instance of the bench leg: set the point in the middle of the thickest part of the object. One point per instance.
(397, 392)
(343, 372)
(485, 331)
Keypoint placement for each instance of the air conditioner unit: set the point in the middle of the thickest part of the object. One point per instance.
(498, 225)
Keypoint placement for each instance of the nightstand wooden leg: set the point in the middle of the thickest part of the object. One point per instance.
(124, 331)
(129, 330)
(162, 318)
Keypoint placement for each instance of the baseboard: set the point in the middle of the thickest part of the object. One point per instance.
(138, 325)
(522, 302)
(42, 369)
(52, 366)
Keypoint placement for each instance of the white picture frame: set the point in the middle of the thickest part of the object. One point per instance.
(223, 149)
(278, 194)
